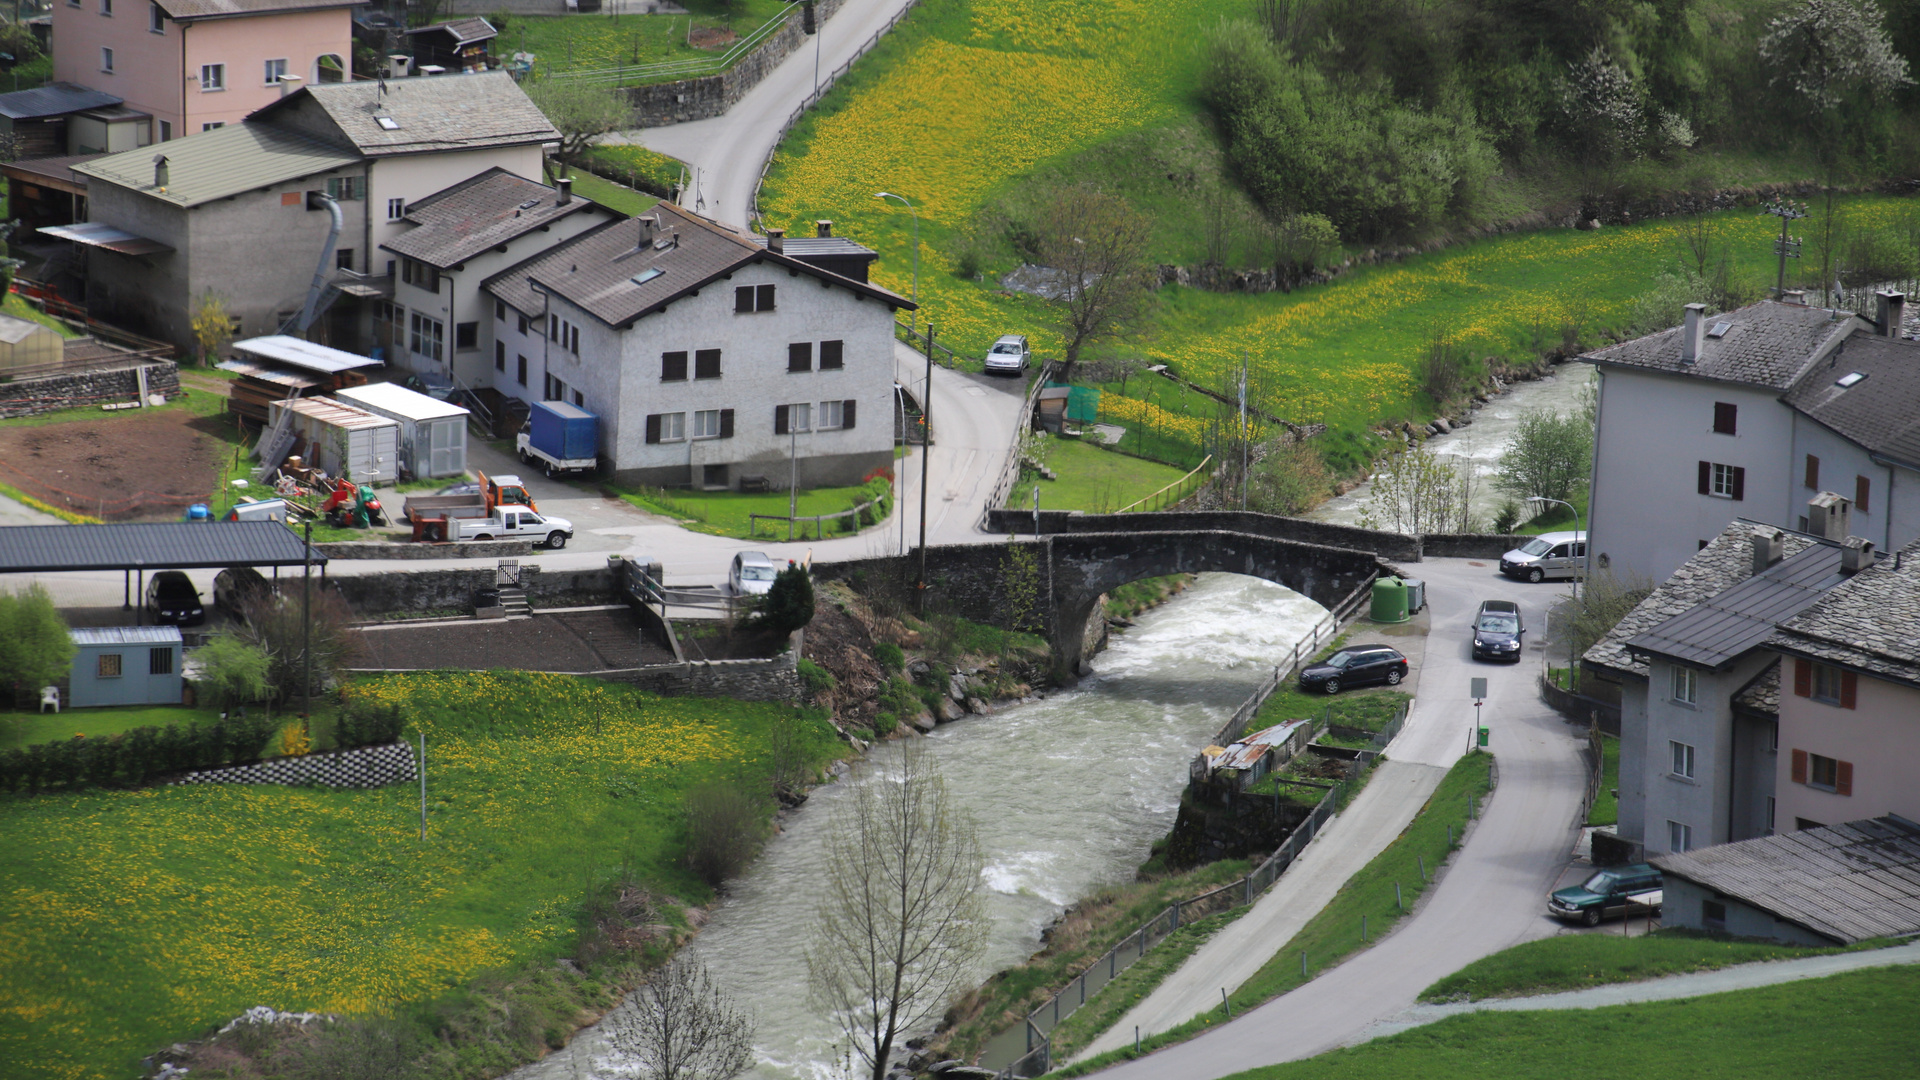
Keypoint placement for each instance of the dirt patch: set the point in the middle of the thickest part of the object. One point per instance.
(575, 641)
(136, 467)
(705, 640)
(839, 640)
(711, 37)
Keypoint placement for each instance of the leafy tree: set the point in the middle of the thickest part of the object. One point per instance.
(35, 648)
(1551, 457)
(1417, 491)
(233, 672)
(682, 1027)
(277, 626)
(789, 602)
(1604, 600)
(1094, 247)
(212, 325)
(581, 113)
(1827, 50)
(1288, 479)
(724, 829)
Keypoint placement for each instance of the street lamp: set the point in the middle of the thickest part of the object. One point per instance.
(913, 321)
(1539, 504)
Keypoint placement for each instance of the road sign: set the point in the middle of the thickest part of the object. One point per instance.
(1479, 690)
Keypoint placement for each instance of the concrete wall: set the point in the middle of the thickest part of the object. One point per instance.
(26, 397)
(1708, 801)
(1468, 545)
(1880, 736)
(699, 99)
(1633, 749)
(1682, 903)
(428, 590)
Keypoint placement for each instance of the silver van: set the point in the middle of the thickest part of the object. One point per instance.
(752, 574)
(1549, 555)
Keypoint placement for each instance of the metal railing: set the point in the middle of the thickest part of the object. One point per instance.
(918, 342)
(1323, 631)
(1010, 470)
(753, 520)
(1156, 495)
(622, 74)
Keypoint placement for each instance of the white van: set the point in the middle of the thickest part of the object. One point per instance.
(1549, 555)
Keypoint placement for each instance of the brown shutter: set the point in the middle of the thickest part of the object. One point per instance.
(706, 364)
(1706, 477)
(1843, 778)
(800, 356)
(1739, 483)
(1849, 687)
(1862, 487)
(763, 301)
(1725, 416)
(742, 299)
(673, 367)
(653, 428)
(1802, 677)
(831, 355)
(1813, 472)
(726, 423)
(779, 419)
(846, 414)
(1799, 766)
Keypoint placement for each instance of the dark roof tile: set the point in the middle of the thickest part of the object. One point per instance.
(1881, 411)
(454, 225)
(1767, 344)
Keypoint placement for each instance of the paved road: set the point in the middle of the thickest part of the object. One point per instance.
(1490, 898)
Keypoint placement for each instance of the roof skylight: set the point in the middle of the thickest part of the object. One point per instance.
(387, 123)
(647, 275)
(1850, 379)
(1720, 329)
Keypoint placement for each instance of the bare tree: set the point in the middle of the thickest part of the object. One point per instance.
(682, 1027)
(581, 113)
(1095, 249)
(1417, 491)
(902, 923)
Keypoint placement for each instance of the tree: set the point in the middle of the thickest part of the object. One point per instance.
(212, 325)
(233, 672)
(1827, 50)
(789, 602)
(581, 113)
(682, 1027)
(1095, 249)
(1288, 478)
(35, 648)
(724, 828)
(1417, 491)
(277, 626)
(1551, 456)
(902, 923)
(1606, 117)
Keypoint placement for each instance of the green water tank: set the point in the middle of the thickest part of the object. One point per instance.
(1389, 600)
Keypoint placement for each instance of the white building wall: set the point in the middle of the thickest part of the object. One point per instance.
(1633, 760)
(416, 176)
(1892, 517)
(1682, 904)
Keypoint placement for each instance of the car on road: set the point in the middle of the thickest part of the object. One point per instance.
(1497, 631)
(1355, 665)
(430, 383)
(1009, 355)
(752, 574)
(171, 598)
(238, 586)
(1603, 894)
(1549, 555)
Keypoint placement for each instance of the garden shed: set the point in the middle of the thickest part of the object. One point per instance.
(341, 439)
(125, 665)
(433, 433)
(27, 346)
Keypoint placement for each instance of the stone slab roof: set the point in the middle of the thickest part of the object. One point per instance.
(1768, 344)
(189, 10)
(1881, 410)
(488, 210)
(209, 165)
(1871, 623)
(384, 117)
(1762, 695)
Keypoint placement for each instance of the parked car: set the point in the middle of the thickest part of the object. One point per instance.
(431, 384)
(1603, 894)
(236, 587)
(1009, 354)
(752, 574)
(464, 487)
(1497, 631)
(1549, 555)
(1355, 665)
(171, 598)
(510, 523)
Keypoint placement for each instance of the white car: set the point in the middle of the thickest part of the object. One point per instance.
(752, 574)
(1009, 354)
(1549, 555)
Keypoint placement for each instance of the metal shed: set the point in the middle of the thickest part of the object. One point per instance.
(343, 440)
(433, 433)
(25, 344)
(125, 665)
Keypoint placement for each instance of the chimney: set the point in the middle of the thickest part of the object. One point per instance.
(1855, 555)
(564, 187)
(1830, 516)
(288, 84)
(777, 240)
(160, 170)
(1794, 296)
(1766, 548)
(823, 229)
(1693, 333)
(1891, 312)
(648, 223)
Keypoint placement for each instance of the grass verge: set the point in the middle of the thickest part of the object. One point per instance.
(610, 40)
(1137, 596)
(726, 513)
(1092, 478)
(25, 728)
(1104, 1009)
(611, 195)
(1606, 805)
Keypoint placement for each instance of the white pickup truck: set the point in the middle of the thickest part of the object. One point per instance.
(516, 523)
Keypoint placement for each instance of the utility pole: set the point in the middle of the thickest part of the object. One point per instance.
(1243, 429)
(306, 626)
(926, 451)
(1786, 247)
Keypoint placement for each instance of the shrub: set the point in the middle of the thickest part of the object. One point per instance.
(816, 679)
(724, 827)
(275, 625)
(1288, 479)
(1507, 518)
(789, 603)
(365, 723)
(889, 657)
(35, 649)
(233, 672)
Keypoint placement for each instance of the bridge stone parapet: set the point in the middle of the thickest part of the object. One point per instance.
(1388, 545)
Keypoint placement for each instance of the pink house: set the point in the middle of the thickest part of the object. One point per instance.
(194, 65)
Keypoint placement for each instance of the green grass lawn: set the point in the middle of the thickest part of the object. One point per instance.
(18, 307)
(1606, 806)
(1092, 478)
(1856, 1024)
(609, 40)
(1557, 518)
(637, 163)
(25, 728)
(611, 195)
(725, 513)
(1577, 961)
(137, 918)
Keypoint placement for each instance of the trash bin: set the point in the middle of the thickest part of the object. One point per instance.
(1389, 600)
(1416, 595)
(1483, 736)
(490, 598)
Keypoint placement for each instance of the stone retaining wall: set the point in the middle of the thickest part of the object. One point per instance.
(1468, 545)
(700, 99)
(76, 389)
(366, 767)
(458, 549)
(773, 679)
(431, 590)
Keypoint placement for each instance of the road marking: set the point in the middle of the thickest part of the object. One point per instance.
(976, 391)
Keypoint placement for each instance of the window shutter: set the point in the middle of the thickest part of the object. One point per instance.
(1862, 487)
(726, 423)
(846, 414)
(706, 364)
(1843, 778)
(1849, 687)
(653, 428)
(673, 367)
(764, 298)
(831, 353)
(779, 419)
(1724, 417)
(1813, 472)
(1802, 677)
(800, 356)
(1739, 483)
(1706, 477)
(1799, 766)
(742, 299)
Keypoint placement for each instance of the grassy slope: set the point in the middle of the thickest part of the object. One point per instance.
(608, 40)
(1578, 961)
(1606, 807)
(611, 195)
(1093, 479)
(139, 917)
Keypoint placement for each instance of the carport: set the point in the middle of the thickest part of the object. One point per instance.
(137, 547)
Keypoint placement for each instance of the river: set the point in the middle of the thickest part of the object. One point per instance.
(1483, 441)
(1069, 791)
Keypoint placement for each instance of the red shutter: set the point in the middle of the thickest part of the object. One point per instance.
(1843, 778)
(1706, 477)
(1862, 487)
(726, 423)
(1799, 766)
(1813, 472)
(1739, 483)
(846, 414)
(653, 428)
(779, 419)
(1802, 677)
(1849, 686)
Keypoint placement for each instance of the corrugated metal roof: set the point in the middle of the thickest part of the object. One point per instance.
(1846, 882)
(267, 373)
(100, 235)
(304, 354)
(14, 331)
(172, 545)
(333, 414)
(399, 401)
(1726, 625)
(215, 164)
(1251, 748)
(54, 99)
(125, 635)
(461, 31)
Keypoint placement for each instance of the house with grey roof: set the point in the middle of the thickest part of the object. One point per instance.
(39, 120)
(1748, 414)
(713, 359)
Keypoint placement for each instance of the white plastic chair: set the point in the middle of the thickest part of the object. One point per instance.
(50, 695)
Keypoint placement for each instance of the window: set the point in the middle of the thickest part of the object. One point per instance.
(156, 19)
(213, 76)
(1770, 810)
(425, 336)
(667, 427)
(1862, 490)
(523, 325)
(1824, 683)
(106, 61)
(166, 131)
(1807, 823)
(1725, 416)
(1682, 759)
(500, 310)
(160, 661)
(213, 126)
(466, 335)
(1773, 737)
(346, 188)
(706, 424)
(275, 71)
(579, 400)
(673, 367)
(800, 356)
(830, 414)
(499, 356)
(1679, 837)
(1723, 481)
(1812, 478)
(830, 356)
(522, 369)
(107, 665)
(1824, 773)
(564, 334)
(1686, 684)
(750, 298)
(397, 209)
(1713, 914)
(343, 259)
(706, 364)
(792, 419)
(556, 390)
(420, 275)
(106, 7)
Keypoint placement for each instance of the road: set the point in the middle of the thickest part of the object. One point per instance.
(1491, 897)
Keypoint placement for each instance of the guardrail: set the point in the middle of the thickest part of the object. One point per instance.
(683, 69)
(1323, 631)
(918, 342)
(1156, 495)
(753, 520)
(1010, 469)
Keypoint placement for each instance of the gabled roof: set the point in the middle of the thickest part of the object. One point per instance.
(190, 10)
(215, 164)
(423, 114)
(488, 210)
(1768, 344)
(1845, 882)
(1881, 411)
(53, 99)
(609, 272)
(1725, 626)
(461, 31)
(1870, 623)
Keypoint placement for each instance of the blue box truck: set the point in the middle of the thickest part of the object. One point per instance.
(560, 437)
